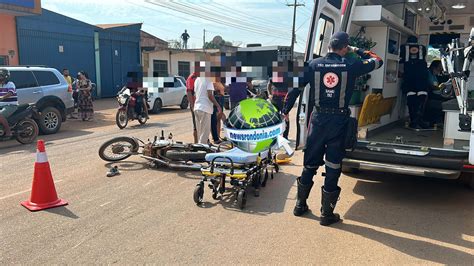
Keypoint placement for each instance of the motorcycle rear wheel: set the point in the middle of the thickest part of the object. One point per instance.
(27, 131)
(121, 118)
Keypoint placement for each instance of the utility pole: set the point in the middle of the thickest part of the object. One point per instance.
(293, 35)
(204, 40)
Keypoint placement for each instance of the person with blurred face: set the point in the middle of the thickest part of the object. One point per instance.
(84, 86)
(8, 100)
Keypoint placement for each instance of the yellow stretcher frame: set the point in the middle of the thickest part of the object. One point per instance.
(374, 107)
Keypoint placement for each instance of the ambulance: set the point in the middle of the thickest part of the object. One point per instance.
(385, 141)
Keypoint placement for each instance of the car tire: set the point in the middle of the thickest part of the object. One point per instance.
(157, 106)
(50, 120)
(184, 103)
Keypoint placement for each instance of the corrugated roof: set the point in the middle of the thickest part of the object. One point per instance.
(108, 26)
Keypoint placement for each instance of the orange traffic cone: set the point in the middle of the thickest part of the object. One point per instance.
(43, 193)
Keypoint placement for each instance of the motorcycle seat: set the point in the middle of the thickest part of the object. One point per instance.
(21, 108)
(236, 155)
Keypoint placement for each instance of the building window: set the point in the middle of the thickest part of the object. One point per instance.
(184, 69)
(3, 60)
(160, 68)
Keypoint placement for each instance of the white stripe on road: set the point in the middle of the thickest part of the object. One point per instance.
(21, 192)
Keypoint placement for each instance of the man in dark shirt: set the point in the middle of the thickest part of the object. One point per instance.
(185, 37)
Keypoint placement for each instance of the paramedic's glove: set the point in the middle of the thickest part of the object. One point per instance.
(442, 86)
(286, 117)
(353, 49)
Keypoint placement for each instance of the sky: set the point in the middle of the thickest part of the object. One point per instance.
(241, 22)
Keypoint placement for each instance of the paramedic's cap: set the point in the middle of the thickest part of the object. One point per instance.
(339, 39)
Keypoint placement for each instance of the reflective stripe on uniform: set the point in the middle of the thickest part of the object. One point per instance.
(332, 165)
(407, 53)
(317, 85)
(342, 93)
(420, 52)
(412, 93)
(41, 157)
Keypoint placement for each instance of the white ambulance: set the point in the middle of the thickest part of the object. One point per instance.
(385, 143)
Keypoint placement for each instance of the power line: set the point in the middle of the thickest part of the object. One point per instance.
(206, 12)
(226, 8)
(204, 15)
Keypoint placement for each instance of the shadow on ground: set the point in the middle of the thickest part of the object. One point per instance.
(272, 198)
(440, 210)
(63, 211)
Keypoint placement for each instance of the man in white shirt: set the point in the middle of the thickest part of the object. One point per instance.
(203, 107)
(8, 100)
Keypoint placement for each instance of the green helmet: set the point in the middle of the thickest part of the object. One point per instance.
(254, 125)
(4, 73)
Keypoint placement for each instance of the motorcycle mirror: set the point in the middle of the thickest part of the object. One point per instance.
(162, 135)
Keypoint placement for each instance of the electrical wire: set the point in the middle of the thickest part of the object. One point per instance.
(207, 12)
(190, 11)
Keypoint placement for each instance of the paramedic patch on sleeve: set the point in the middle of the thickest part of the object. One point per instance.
(330, 80)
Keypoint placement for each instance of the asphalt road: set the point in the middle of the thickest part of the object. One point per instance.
(148, 216)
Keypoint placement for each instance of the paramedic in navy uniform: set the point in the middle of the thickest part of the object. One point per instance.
(333, 78)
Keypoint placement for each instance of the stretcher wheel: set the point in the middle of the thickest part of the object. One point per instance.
(242, 199)
(277, 167)
(265, 178)
(256, 192)
(215, 194)
(198, 193)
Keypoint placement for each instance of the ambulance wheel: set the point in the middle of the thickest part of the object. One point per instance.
(242, 199)
(198, 193)
(467, 179)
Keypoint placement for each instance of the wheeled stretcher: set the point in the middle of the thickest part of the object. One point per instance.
(239, 169)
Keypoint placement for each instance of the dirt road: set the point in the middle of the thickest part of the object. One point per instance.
(148, 216)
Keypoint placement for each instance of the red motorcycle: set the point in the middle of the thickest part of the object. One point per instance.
(128, 107)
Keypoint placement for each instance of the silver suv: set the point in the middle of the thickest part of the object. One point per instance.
(47, 88)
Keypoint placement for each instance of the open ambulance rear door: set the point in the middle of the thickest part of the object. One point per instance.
(328, 17)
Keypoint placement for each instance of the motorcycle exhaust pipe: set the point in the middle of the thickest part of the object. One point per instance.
(189, 167)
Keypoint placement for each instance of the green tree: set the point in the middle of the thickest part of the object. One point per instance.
(175, 44)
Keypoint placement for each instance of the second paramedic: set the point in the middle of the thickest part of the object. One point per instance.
(415, 77)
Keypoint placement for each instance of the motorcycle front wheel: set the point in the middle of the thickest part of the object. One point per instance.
(118, 149)
(26, 131)
(121, 118)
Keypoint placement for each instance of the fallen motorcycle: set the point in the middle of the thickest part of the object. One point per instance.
(160, 151)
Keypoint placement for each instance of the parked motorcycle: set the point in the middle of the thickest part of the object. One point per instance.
(25, 130)
(126, 112)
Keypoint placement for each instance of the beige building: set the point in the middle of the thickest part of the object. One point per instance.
(170, 62)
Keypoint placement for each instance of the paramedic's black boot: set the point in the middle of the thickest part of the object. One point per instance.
(328, 202)
(303, 194)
